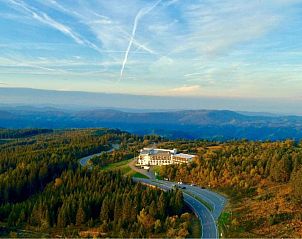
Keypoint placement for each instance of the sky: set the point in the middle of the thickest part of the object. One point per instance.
(193, 48)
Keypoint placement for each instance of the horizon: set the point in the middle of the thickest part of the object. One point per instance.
(101, 100)
(218, 49)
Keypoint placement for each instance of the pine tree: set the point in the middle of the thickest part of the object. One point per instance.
(104, 213)
(80, 217)
(161, 205)
(153, 209)
(62, 219)
(126, 208)
(117, 209)
(178, 202)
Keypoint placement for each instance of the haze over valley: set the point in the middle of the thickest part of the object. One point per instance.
(188, 124)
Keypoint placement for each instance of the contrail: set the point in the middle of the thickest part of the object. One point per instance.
(139, 15)
(44, 18)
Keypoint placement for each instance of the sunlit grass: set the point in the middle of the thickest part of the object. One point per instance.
(116, 166)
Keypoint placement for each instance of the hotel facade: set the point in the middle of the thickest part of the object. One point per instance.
(152, 157)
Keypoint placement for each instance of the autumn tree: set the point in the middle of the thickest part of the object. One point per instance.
(297, 186)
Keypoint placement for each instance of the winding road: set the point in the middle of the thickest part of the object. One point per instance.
(84, 161)
(191, 194)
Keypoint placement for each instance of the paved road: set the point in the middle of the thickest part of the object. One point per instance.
(209, 228)
(216, 201)
(84, 161)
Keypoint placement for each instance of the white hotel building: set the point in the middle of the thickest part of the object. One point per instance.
(152, 156)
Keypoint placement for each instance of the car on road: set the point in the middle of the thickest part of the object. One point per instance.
(178, 186)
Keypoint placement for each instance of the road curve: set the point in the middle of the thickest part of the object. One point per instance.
(84, 161)
(208, 222)
(215, 200)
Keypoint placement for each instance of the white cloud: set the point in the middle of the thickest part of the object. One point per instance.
(160, 28)
(163, 61)
(218, 26)
(45, 19)
(185, 90)
(165, 67)
(170, 2)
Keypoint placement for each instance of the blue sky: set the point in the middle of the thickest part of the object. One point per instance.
(208, 48)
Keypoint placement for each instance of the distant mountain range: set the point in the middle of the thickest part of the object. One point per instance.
(191, 124)
(78, 100)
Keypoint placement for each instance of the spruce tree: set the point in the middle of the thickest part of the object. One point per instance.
(80, 217)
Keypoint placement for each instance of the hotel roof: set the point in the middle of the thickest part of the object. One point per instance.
(157, 151)
(187, 156)
(153, 151)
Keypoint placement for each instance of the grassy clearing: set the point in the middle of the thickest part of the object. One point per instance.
(117, 166)
(223, 221)
(138, 175)
(124, 168)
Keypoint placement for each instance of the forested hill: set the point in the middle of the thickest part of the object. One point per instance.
(189, 124)
(44, 192)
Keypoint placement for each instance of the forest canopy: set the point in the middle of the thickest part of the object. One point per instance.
(44, 189)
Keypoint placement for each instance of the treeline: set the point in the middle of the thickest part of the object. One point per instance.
(27, 165)
(241, 167)
(113, 204)
(22, 133)
(43, 188)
